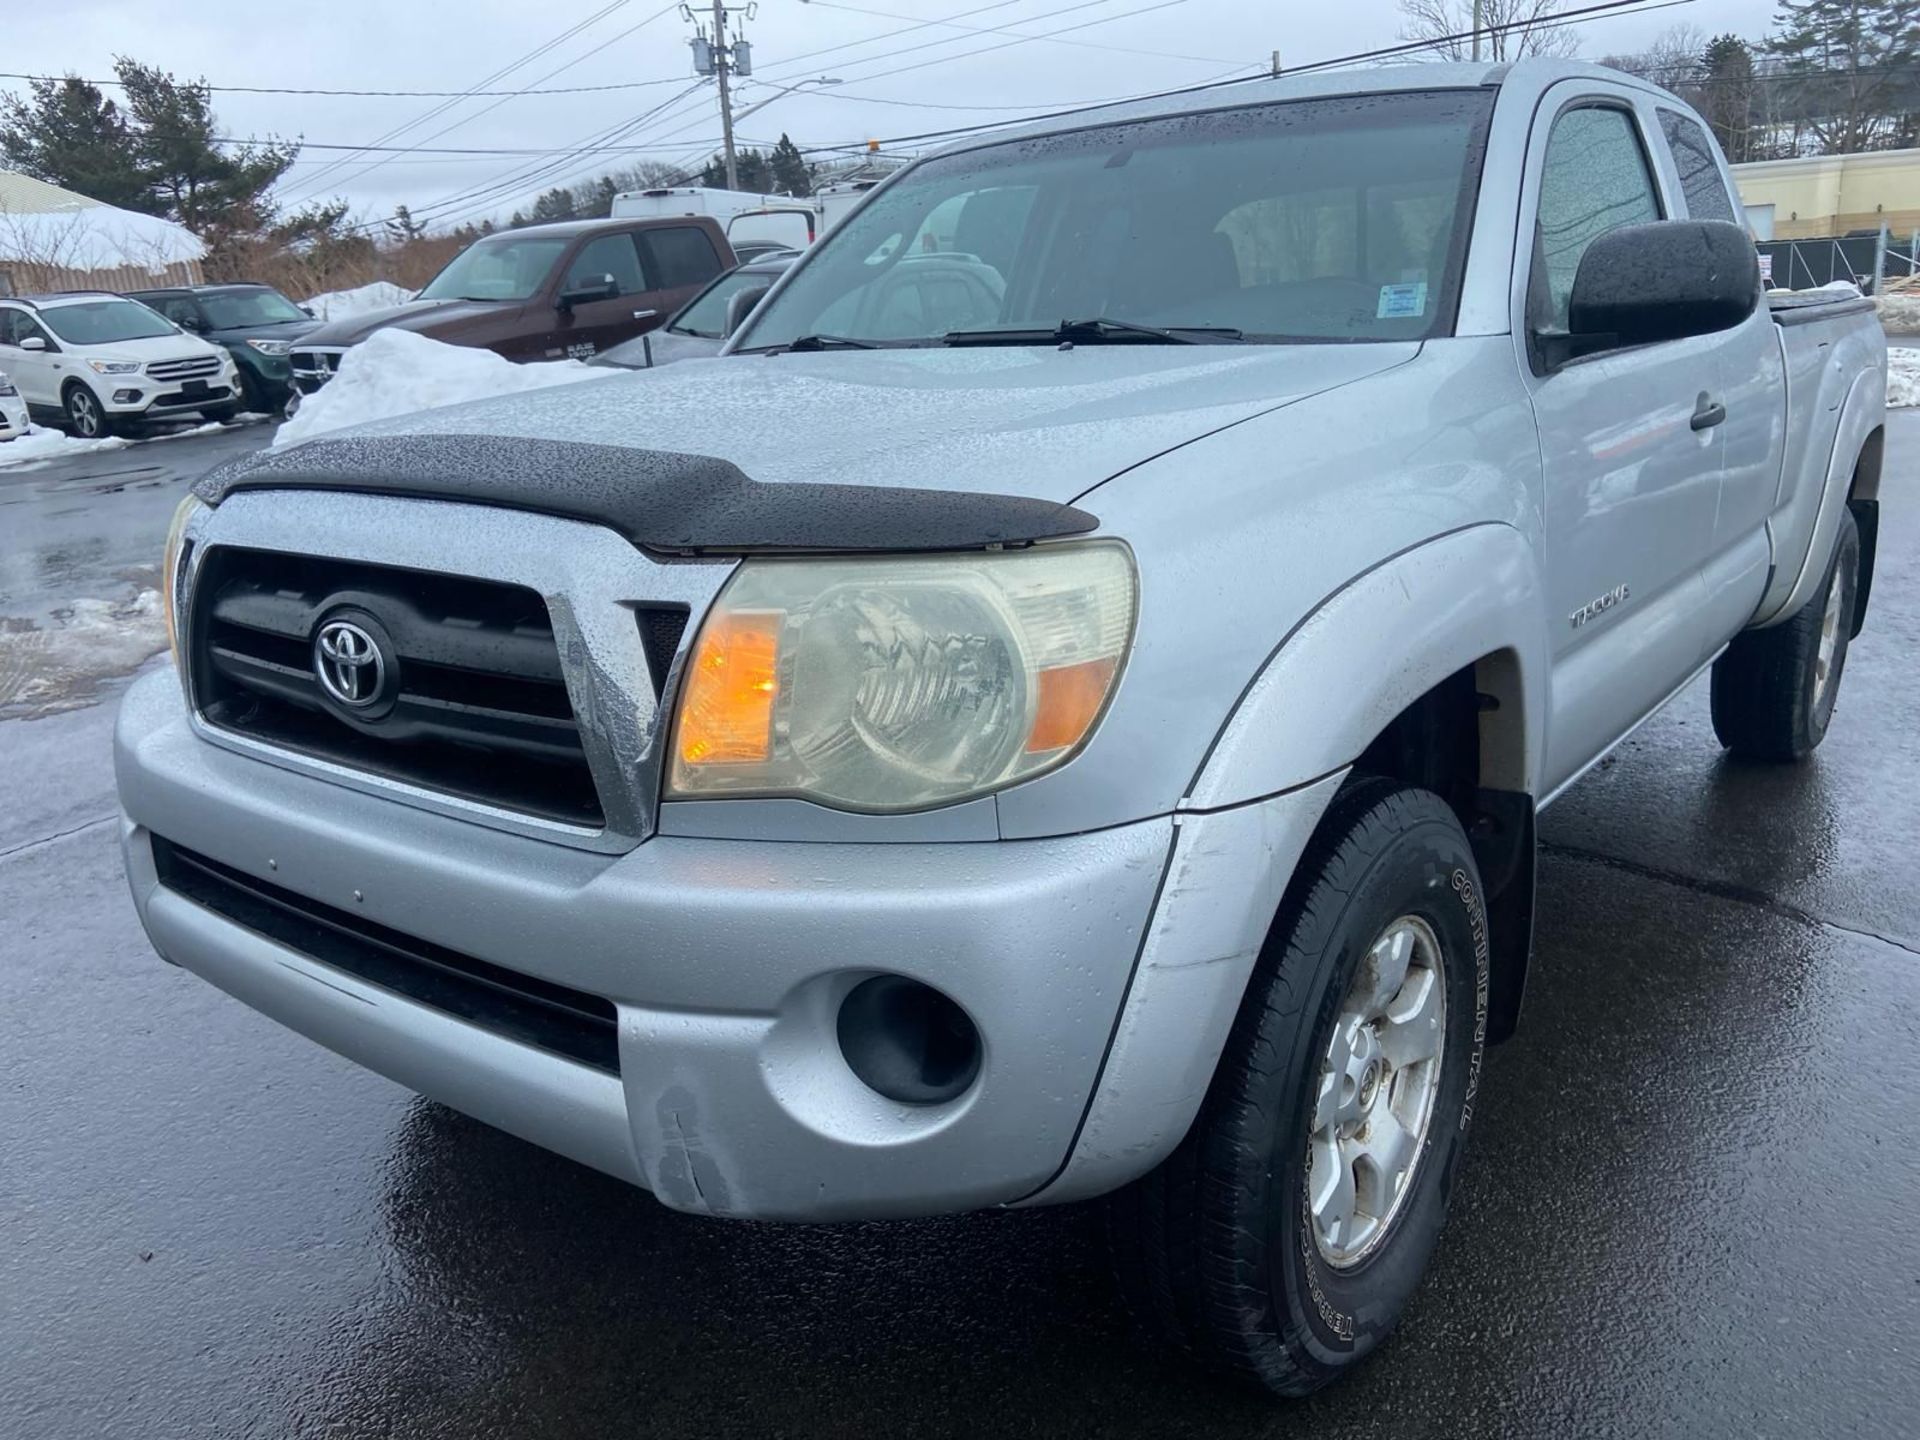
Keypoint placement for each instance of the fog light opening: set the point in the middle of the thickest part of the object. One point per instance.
(907, 1041)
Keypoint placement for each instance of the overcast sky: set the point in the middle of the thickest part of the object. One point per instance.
(1118, 47)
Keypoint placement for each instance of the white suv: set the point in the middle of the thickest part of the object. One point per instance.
(97, 362)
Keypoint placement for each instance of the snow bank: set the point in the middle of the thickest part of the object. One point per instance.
(42, 446)
(339, 304)
(1899, 312)
(61, 665)
(1903, 376)
(396, 372)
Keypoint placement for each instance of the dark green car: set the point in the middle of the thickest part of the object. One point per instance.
(255, 322)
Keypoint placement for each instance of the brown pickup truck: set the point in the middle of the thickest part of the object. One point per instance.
(544, 292)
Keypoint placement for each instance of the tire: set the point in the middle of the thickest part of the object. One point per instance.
(86, 417)
(1774, 690)
(252, 398)
(1219, 1249)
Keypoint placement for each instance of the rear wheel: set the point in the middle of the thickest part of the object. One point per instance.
(1285, 1235)
(86, 417)
(1774, 690)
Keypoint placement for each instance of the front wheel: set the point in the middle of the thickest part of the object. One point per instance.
(86, 418)
(1285, 1235)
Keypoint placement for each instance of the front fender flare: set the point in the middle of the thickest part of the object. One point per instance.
(1378, 643)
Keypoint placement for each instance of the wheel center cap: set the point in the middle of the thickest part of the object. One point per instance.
(1369, 1083)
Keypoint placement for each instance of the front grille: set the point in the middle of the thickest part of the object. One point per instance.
(551, 1017)
(474, 703)
(194, 368)
(317, 365)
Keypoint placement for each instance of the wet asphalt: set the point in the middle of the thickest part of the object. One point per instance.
(1692, 1205)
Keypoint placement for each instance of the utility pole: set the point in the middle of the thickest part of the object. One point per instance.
(1476, 41)
(722, 58)
(721, 65)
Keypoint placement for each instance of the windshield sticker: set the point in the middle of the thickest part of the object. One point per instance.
(1402, 302)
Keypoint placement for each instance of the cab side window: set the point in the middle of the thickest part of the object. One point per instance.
(1699, 172)
(1595, 178)
(181, 311)
(603, 256)
(681, 255)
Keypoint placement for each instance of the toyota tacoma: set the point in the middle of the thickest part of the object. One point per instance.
(1058, 719)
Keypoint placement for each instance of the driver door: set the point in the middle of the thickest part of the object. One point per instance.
(611, 265)
(1631, 481)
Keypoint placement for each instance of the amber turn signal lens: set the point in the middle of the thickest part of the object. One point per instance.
(1070, 700)
(727, 715)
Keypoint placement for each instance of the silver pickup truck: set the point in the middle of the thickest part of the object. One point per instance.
(1063, 717)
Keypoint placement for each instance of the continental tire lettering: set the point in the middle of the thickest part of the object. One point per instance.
(1477, 922)
(1340, 1324)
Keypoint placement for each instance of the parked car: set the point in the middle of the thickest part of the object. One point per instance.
(256, 324)
(13, 410)
(746, 251)
(545, 292)
(922, 766)
(701, 326)
(99, 363)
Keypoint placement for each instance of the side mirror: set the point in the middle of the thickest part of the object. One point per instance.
(740, 306)
(33, 342)
(194, 325)
(1667, 280)
(307, 310)
(604, 287)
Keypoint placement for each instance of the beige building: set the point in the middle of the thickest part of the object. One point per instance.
(53, 239)
(1832, 194)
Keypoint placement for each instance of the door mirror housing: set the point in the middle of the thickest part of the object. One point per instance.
(307, 310)
(740, 306)
(1641, 284)
(604, 287)
(33, 342)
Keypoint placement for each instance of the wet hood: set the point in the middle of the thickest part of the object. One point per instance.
(1046, 423)
(284, 330)
(424, 316)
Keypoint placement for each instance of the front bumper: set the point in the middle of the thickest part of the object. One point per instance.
(13, 416)
(725, 962)
(160, 399)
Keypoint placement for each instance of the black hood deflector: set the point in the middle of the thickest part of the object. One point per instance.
(658, 499)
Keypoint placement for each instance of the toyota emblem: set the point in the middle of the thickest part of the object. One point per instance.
(349, 664)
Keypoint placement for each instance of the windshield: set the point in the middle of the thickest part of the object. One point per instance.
(505, 268)
(238, 309)
(103, 322)
(1311, 220)
(706, 314)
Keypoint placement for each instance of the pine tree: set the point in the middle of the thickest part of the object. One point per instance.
(791, 173)
(1726, 96)
(554, 204)
(208, 186)
(1848, 61)
(403, 227)
(71, 135)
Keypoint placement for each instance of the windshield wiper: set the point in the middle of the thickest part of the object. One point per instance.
(828, 342)
(1100, 330)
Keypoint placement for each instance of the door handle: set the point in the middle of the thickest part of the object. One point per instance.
(645, 314)
(1707, 412)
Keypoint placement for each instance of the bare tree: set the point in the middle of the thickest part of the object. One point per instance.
(1676, 59)
(1510, 29)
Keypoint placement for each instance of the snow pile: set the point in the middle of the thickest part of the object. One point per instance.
(1899, 312)
(396, 372)
(1903, 377)
(61, 666)
(339, 304)
(42, 446)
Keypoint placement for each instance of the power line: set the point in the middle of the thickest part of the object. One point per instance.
(1564, 17)
(435, 112)
(368, 94)
(1008, 30)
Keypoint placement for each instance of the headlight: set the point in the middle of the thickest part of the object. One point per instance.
(170, 567)
(271, 347)
(115, 367)
(897, 684)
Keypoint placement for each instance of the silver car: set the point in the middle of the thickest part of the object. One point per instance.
(700, 327)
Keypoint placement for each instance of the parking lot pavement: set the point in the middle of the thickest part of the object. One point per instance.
(1692, 1206)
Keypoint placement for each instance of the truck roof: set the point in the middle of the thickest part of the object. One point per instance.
(569, 228)
(1534, 75)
